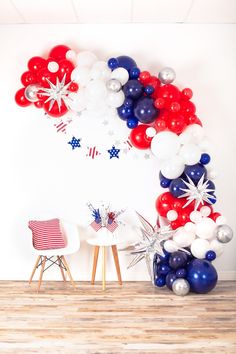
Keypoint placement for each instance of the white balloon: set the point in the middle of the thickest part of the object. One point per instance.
(80, 75)
(190, 227)
(173, 168)
(170, 246)
(165, 145)
(151, 132)
(172, 215)
(195, 216)
(121, 75)
(205, 145)
(221, 220)
(100, 70)
(190, 153)
(77, 101)
(200, 247)
(86, 59)
(212, 174)
(183, 238)
(115, 99)
(184, 138)
(71, 55)
(53, 66)
(196, 132)
(217, 247)
(205, 228)
(96, 89)
(205, 211)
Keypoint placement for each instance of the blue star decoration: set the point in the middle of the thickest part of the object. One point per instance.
(114, 152)
(75, 143)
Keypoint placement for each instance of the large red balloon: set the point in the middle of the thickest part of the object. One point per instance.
(176, 123)
(164, 203)
(187, 108)
(65, 68)
(169, 93)
(28, 78)
(36, 63)
(139, 138)
(55, 111)
(44, 75)
(20, 98)
(59, 52)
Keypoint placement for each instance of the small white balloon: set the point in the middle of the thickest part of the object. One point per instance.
(172, 168)
(53, 66)
(71, 55)
(190, 227)
(183, 238)
(165, 145)
(172, 215)
(190, 153)
(170, 246)
(205, 228)
(121, 75)
(221, 220)
(151, 132)
(195, 216)
(100, 70)
(115, 99)
(212, 174)
(196, 132)
(205, 210)
(86, 59)
(80, 75)
(217, 247)
(96, 89)
(199, 248)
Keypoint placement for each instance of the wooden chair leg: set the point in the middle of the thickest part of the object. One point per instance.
(68, 271)
(35, 267)
(103, 268)
(116, 259)
(61, 269)
(41, 273)
(95, 261)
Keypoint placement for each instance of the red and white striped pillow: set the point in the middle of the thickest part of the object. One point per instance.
(47, 234)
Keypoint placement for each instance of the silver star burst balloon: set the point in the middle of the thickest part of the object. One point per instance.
(150, 243)
(198, 193)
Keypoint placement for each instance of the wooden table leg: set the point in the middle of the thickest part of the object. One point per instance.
(68, 271)
(116, 259)
(95, 261)
(41, 273)
(61, 269)
(103, 268)
(35, 267)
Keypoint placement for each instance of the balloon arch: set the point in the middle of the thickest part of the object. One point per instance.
(161, 117)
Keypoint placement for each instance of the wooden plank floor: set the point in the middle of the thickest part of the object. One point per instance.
(136, 318)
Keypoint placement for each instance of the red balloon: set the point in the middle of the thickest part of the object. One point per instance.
(20, 98)
(144, 76)
(214, 216)
(65, 68)
(164, 203)
(178, 203)
(187, 108)
(159, 125)
(153, 81)
(159, 103)
(174, 107)
(193, 120)
(28, 78)
(169, 93)
(186, 94)
(176, 123)
(55, 111)
(36, 63)
(138, 137)
(59, 52)
(73, 87)
(39, 104)
(183, 215)
(44, 75)
(175, 224)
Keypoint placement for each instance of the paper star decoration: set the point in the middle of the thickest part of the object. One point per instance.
(56, 93)
(75, 143)
(114, 152)
(150, 244)
(197, 194)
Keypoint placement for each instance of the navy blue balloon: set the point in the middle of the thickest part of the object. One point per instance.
(125, 112)
(164, 182)
(126, 62)
(202, 276)
(163, 269)
(213, 200)
(170, 278)
(160, 281)
(165, 257)
(134, 73)
(195, 172)
(177, 260)
(181, 273)
(145, 110)
(210, 256)
(113, 63)
(205, 159)
(132, 122)
(211, 185)
(175, 187)
(133, 89)
(128, 102)
(149, 90)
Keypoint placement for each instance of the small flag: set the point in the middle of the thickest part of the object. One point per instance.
(112, 227)
(128, 143)
(61, 127)
(92, 152)
(96, 226)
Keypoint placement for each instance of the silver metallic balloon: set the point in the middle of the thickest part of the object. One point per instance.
(31, 92)
(223, 233)
(113, 85)
(167, 75)
(180, 287)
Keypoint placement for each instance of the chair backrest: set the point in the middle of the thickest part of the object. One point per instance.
(71, 234)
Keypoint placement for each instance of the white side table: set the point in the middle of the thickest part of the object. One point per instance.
(105, 239)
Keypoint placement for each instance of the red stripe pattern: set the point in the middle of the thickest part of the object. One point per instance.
(47, 234)
(112, 227)
(92, 152)
(96, 226)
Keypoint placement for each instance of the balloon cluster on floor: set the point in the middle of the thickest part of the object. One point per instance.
(161, 117)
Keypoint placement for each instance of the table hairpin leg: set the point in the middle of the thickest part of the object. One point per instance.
(103, 268)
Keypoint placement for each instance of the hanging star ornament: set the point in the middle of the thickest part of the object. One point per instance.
(114, 152)
(150, 243)
(197, 194)
(56, 93)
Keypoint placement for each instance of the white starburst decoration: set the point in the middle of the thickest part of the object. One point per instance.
(56, 93)
(197, 194)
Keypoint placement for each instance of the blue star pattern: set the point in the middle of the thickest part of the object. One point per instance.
(114, 152)
(74, 143)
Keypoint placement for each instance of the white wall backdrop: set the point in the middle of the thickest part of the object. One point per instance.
(42, 178)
